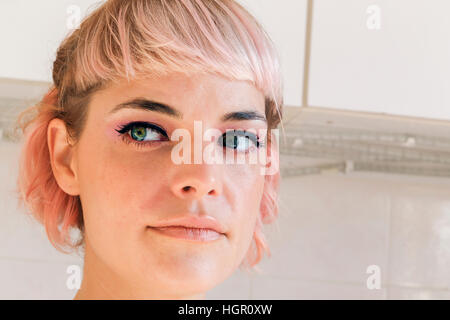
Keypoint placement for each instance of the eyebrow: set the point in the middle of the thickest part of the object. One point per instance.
(148, 105)
(244, 115)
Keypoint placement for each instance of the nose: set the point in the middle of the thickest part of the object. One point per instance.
(196, 181)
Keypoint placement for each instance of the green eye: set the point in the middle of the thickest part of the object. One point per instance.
(143, 131)
(138, 133)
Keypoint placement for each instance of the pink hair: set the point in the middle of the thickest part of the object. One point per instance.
(141, 38)
(36, 184)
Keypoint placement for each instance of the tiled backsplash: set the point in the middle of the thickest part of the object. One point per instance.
(15, 96)
(330, 229)
(332, 226)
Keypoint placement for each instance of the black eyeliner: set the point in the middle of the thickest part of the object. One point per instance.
(253, 137)
(127, 127)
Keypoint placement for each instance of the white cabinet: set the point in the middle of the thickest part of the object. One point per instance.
(285, 22)
(31, 31)
(388, 56)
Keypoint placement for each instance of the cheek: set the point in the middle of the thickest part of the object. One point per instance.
(113, 180)
(247, 185)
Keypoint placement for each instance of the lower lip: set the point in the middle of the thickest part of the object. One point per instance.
(189, 233)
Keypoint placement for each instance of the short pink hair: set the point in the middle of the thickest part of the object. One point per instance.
(129, 39)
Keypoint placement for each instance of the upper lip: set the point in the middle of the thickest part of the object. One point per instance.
(199, 222)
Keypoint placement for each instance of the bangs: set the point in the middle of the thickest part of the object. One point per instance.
(141, 38)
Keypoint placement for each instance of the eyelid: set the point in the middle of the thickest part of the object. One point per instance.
(243, 133)
(127, 127)
(123, 132)
(124, 129)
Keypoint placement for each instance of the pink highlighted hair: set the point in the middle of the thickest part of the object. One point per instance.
(142, 38)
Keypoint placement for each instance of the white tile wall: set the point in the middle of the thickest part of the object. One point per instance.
(279, 288)
(30, 268)
(30, 279)
(420, 239)
(330, 228)
(418, 294)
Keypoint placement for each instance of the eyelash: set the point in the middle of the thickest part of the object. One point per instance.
(253, 137)
(124, 129)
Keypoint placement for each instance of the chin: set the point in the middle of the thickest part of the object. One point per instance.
(195, 276)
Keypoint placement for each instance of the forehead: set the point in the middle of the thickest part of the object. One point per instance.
(187, 93)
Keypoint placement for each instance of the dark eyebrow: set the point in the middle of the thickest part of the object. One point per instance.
(244, 115)
(145, 104)
(148, 105)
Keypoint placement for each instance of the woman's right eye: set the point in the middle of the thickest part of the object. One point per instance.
(142, 132)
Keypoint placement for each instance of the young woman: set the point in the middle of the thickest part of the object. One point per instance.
(99, 150)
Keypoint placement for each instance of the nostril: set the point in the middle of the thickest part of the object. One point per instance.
(188, 189)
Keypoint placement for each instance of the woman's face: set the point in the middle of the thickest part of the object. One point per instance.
(128, 181)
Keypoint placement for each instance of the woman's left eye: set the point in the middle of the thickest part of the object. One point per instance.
(239, 139)
(143, 131)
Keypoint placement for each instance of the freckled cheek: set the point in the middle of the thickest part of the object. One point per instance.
(135, 175)
(247, 185)
(115, 181)
(247, 177)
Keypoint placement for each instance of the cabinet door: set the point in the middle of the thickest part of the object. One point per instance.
(31, 31)
(387, 56)
(285, 22)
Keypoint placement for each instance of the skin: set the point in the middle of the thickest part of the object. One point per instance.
(124, 189)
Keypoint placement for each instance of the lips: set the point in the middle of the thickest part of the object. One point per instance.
(189, 233)
(189, 227)
(190, 221)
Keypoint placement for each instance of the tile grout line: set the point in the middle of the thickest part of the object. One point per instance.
(389, 251)
(251, 288)
(34, 260)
